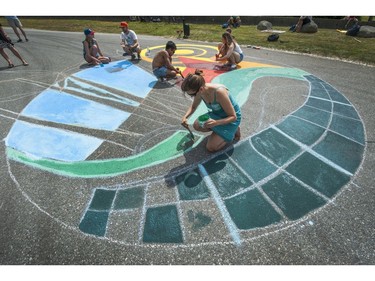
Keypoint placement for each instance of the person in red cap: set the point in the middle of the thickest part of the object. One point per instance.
(91, 51)
(129, 41)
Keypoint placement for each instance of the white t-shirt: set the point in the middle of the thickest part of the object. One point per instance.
(129, 38)
(237, 48)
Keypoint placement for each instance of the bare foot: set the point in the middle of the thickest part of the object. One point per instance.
(25, 63)
(237, 135)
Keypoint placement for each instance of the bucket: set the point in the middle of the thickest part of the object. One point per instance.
(203, 119)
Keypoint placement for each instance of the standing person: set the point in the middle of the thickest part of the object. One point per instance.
(224, 115)
(229, 51)
(129, 41)
(15, 23)
(91, 51)
(5, 42)
(162, 63)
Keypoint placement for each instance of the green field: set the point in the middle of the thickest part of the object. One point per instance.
(326, 42)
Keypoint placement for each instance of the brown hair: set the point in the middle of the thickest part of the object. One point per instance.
(193, 81)
(228, 38)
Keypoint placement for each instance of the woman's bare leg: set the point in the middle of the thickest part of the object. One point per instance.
(215, 143)
(17, 54)
(237, 135)
(5, 56)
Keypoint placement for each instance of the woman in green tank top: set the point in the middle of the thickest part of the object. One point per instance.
(224, 112)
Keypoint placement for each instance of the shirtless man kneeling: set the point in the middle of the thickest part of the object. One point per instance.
(162, 63)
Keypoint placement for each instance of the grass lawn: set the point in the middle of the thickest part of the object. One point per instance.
(326, 42)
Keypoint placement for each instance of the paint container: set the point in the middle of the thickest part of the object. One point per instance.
(203, 119)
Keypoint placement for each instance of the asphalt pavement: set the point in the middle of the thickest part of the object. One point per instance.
(96, 168)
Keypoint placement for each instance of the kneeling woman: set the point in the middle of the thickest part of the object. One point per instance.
(224, 112)
(229, 51)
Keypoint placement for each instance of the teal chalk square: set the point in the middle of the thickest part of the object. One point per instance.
(291, 197)
(162, 225)
(301, 130)
(250, 210)
(102, 199)
(318, 174)
(252, 162)
(314, 115)
(191, 186)
(227, 178)
(348, 127)
(94, 223)
(274, 146)
(129, 198)
(344, 152)
(318, 90)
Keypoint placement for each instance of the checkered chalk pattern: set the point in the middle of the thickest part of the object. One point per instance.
(279, 175)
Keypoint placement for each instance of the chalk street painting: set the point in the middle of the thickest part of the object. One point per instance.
(269, 180)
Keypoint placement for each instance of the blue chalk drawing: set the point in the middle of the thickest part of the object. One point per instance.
(97, 92)
(46, 142)
(115, 77)
(59, 107)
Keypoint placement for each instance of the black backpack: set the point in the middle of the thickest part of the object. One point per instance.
(273, 37)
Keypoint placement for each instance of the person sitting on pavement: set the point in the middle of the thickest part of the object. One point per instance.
(229, 51)
(91, 50)
(5, 42)
(162, 63)
(129, 41)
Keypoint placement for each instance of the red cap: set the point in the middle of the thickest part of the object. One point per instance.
(123, 24)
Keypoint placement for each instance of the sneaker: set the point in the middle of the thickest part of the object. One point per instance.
(139, 56)
(233, 66)
(133, 56)
(162, 80)
(19, 40)
(125, 54)
(27, 40)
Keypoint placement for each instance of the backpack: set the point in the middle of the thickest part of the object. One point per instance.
(225, 25)
(273, 37)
